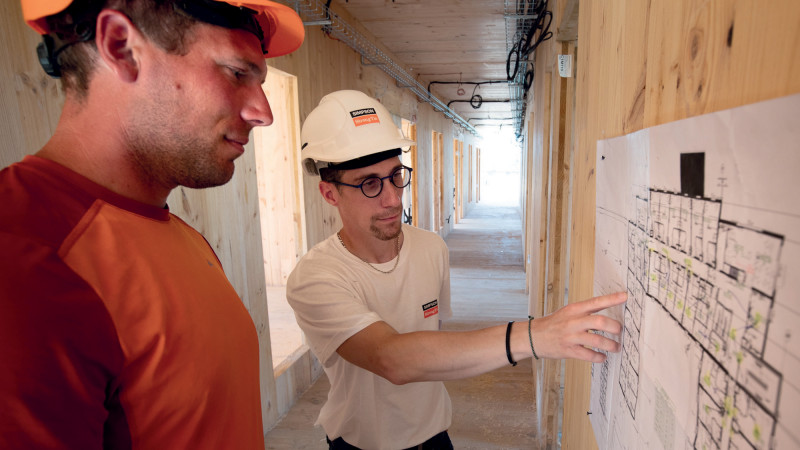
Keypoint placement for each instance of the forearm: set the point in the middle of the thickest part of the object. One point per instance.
(443, 355)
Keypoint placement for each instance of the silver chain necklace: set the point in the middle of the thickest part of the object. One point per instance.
(396, 246)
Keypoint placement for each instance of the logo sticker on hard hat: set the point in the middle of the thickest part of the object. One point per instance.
(364, 116)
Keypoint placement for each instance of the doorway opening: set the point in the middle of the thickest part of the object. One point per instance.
(500, 168)
(409, 159)
(281, 211)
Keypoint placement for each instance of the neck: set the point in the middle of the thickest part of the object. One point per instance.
(371, 249)
(88, 147)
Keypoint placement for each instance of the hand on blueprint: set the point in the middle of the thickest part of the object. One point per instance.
(570, 331)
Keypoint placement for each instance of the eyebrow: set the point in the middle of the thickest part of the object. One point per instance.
(252, 67)
(375, 174)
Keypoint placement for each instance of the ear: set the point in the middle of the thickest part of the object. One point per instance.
(118, 41)
(329, 192)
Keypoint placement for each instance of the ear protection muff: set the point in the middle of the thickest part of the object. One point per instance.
(52, 45)
(48, 56)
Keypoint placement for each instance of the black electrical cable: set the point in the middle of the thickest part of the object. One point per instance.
(476, 101)
(482, 101)
(327, 28)
(542, 14)
(522, 49)
(543, 36)
(538, 12)
(465, 82)
(513, 54)
(528, 82)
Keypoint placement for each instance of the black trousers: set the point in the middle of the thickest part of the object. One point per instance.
(439, 442)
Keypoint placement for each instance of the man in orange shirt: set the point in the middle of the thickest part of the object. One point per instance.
(118, 327)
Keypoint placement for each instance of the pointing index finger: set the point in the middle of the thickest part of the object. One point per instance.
(605, 301)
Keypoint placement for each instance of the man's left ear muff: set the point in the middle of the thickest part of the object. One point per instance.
(48, 57)
(53, 44)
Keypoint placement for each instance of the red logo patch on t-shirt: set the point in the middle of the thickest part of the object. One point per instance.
(430, 308)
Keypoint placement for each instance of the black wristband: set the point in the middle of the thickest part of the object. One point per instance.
(508, 345)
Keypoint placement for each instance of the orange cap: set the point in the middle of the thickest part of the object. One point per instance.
(283, 28)
(35, 12)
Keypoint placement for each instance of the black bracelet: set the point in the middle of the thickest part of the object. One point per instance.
(508, 345)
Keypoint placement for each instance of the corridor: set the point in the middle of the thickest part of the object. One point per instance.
(491, 411)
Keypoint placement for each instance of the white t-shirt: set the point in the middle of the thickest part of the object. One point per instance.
(335, 295)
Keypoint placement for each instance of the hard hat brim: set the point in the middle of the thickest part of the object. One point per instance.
(283, 28)
(35, 13)
(312, 165)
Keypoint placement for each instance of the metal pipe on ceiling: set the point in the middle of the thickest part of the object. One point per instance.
(476, 83)
(481, 101)
(314, 12)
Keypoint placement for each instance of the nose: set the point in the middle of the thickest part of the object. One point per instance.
(390, 195)
(256, 110)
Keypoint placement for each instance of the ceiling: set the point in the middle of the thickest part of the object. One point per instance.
(450, 41)
(455, 49)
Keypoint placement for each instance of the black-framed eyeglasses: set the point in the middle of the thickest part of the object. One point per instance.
(371, 187)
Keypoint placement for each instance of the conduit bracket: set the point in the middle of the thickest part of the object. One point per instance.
(315, 23)
(370, 63)
(521, 16)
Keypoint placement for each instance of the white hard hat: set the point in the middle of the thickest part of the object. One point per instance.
(345, 126)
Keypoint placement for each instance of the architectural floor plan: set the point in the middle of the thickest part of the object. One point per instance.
(696, 223)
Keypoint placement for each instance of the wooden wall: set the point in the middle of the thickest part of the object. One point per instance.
(30, 104)
(638, 64)
(30, 101)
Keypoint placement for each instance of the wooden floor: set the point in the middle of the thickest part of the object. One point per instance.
(491, 411)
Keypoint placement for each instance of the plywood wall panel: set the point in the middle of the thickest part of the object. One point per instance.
(277, 157)
(645, 63)
(30, 101)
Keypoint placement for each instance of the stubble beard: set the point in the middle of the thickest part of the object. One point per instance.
(178, 160)
(386, 235)
(171, 150)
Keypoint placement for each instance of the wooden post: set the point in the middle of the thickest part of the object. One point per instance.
(437, 181)
(415, 183)
(539, 219)
(440, 193)
(478, 172)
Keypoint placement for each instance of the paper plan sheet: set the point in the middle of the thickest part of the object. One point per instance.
(699, 221)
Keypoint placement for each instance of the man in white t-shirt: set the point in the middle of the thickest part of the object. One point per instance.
(370, 298)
